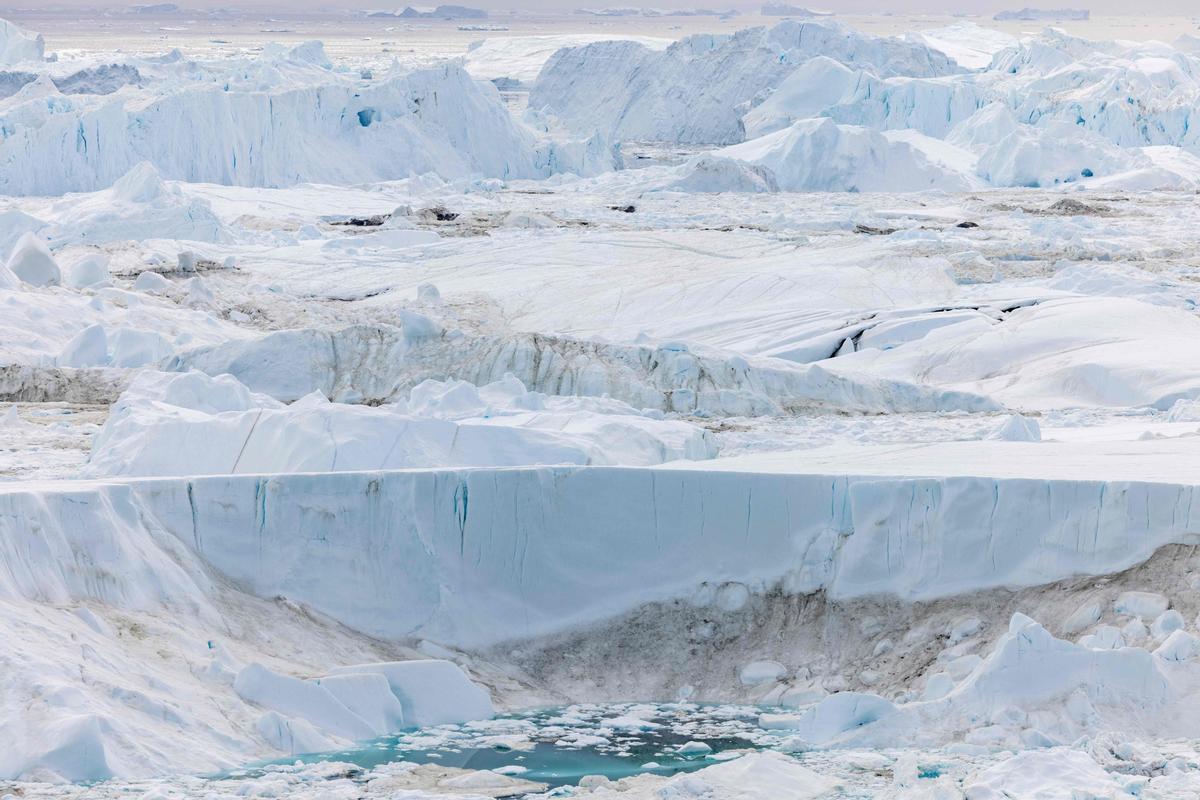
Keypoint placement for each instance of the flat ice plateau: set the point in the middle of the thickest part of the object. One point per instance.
(791, 411)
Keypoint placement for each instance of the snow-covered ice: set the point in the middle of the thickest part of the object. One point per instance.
(696, 407)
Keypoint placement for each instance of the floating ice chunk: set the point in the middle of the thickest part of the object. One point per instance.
(369, 695)
(801, 696)
(32, 262)
(693, 749)
(294, 697)
(1146, 606)
(431, 692)
(758, 672)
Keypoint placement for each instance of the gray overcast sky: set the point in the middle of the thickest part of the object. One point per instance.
(1155, 7)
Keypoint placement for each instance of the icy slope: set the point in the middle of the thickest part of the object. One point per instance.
(1076, 109)
(1060, 353)
(970, 45)
(818, 155)
(698, 88)
(287, 118)
(521, 58)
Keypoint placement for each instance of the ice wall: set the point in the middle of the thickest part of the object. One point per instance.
(474, 557)
(331, 131)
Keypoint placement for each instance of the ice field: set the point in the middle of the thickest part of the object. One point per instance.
(613, 405)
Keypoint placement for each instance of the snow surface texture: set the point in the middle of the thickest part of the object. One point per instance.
(482, 421)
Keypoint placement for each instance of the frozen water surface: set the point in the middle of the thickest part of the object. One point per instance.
(560, 745)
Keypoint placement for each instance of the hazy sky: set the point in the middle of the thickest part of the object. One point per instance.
(1156, 7)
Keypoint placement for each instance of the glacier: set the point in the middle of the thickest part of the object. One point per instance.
(656, 404)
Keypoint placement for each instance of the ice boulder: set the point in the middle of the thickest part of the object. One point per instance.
(1165, 624)
(139, 205)
(69, 748)
(32, 262)
(711, 173)
(815, 86)
(13, 225)
(151, 282)
(431, 692)
(292, 736)
(1054, 774)
(832, 717)
(18, 45)
(1053, 154)
(1029, 667)
(818, 155)
(1083, 617)
(1146, 606)
(752, 777)
(91, 270)
(369, 695)
(1179, 646)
